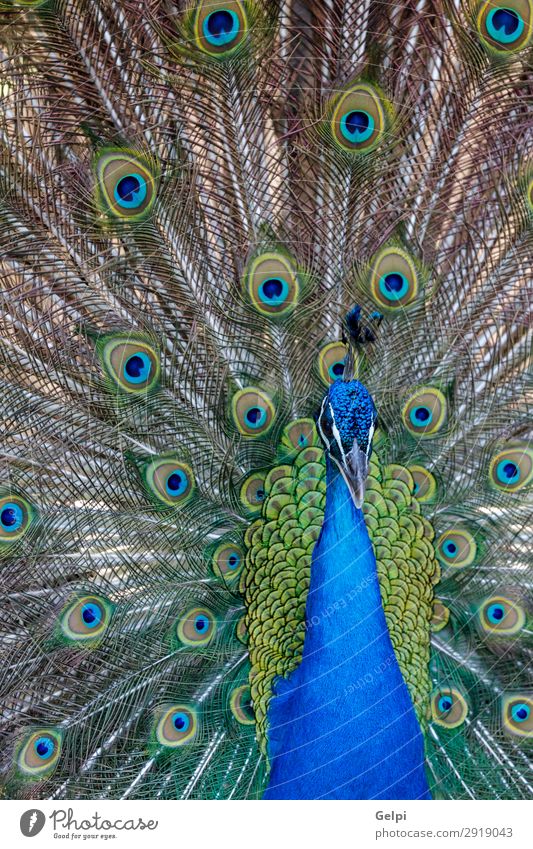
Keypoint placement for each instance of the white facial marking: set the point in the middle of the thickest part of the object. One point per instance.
(336, 434)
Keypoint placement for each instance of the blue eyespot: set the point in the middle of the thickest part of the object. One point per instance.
(520, 712)
(507, 472)
(91, 615)
(255, 417)
(177, 483)
(181, 721)
(336, 369)
(445, 704)
(450, 548)
(44, 747)
(357, 126)
(234, 560)
(137, 368)
(420, 416)
(495, 613)
(201, 623)
(221, 27)
(273, 291)
(393, 286)
(504, 25)
(130, 191)
(11, 517)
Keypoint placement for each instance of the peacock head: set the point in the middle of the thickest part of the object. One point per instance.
(346, 424)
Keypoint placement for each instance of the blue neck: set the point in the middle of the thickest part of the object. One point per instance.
(343, 724)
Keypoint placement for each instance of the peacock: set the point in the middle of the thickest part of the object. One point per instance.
(265, 398)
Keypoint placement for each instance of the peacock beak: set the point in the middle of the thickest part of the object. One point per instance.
(354, 469)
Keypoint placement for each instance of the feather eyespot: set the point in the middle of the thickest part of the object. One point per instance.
(241, 631)
(39, 752)
(512, 469)
(505, 27)
(241, 705)
(177, 726)
(394, 280)
(300, 434)
(448, 707)
(253, 412)
(331, 362)
(220, 28)
(425, 484)
(170, 481)
(424, 413)
(517, 713)
(126, 184)
(252, 492)
(228, 562)
(456, 547)
(16, 517)
(196, 627)
(86, 619)
(440, 617)
(500, 615)
(359, 118)
(132, 364)
(272, 285)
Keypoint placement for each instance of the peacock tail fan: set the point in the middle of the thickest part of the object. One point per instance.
(192, 197)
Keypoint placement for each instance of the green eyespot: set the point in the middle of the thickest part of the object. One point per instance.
(130, 362)
(456, 547)
(86, 619)
(511, 469)
(499, 615)
(440, 617)
(394, 281)
(39, 753)
(241, 705)
(424, 413)
(126, 184)
(272, 285)
(220, 28)
(228, 562)
(252, 492)
(17, 515)
(177, 726)
(517, 715)
(253, 412)
(331, 362)
(196, 627)
(448, 707)
(505, 27)
(299, 434)
(170, 481)
(425, 484)
(359, 118)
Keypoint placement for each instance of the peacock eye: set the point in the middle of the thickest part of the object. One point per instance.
(448, 707)
(252, 492)
(196, 627)
(219, 30)
(505, 27)
(16, 517)
(177, 726)
(358, 119)
(456, 547)
(272, 285)
(228, 561)
(299, 434)
(331, 362)
(86, 619)
(241, 705)
(170, 481)
(132, 365)
(126, 184)
(518, 715)
(425, 484)
(394, 280)
(39, 753)
(424, 413)
(512, 469)
(253, 412)
(500, 615)
(440, 616)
